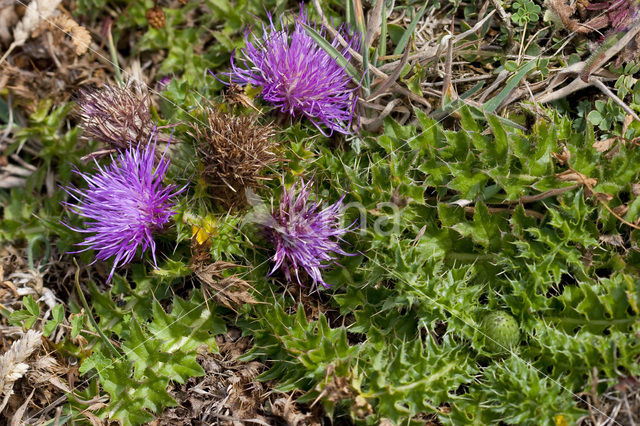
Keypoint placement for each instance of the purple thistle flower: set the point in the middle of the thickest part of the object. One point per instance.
(304, 235)
(124, 203)
(298, 76)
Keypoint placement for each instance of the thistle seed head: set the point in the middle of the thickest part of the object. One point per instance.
(234, 151)
(117, 116)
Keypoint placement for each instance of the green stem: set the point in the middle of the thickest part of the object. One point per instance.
(93, 322)
(114, 58)
(468, 257)
(382, 44)
(30, 246)
(524, 32)
(362, 29)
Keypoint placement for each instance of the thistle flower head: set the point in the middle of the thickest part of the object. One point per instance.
(123, 205)
(298, 76)
(305, 234)
(234, 151)
(117, 116)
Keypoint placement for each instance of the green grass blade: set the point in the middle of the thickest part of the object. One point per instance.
(492, 104)
(362, 29)
(333, 52)
(382, 44)
(409, 31)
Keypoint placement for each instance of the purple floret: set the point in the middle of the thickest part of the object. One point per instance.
(304, 235)
(298, 76)
(123, 205)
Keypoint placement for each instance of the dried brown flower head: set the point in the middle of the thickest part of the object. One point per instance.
(117, 116)
(234, 151)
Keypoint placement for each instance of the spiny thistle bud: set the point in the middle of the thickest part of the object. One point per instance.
(501, 332)
(234, 151)
(117, 116)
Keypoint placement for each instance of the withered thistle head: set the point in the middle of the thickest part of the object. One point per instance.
(117, 116)
(234, 151)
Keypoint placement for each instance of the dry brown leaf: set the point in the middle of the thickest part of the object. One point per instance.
(230, 291)
(574, 176)
(10, 286)
(16, 419)
(228, 394)
(444, 409)
(604, 197)
(361, 407)
(374, 21)
(612, 239)
(286, 408)
(47, 370)
(80, 36)
(635, 189)
(604, 145)
(30, 86)
(621, 210)
(563, 157)
(93, 419)
(95, 407)
(627, 384)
